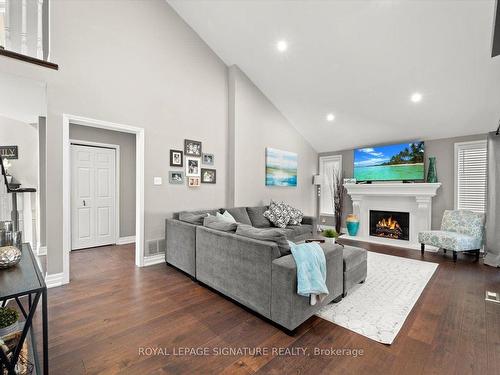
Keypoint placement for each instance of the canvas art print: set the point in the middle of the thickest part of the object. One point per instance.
(208, 176)
(281, 168)
(192, 148)
(193, 181)
(176, 158)
(192, 166)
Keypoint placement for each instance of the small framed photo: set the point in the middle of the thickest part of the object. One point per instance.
(176, 159)
(349, 180)
(192, 167)
(193, 181)
(192, 148)
(208, 159)
(208, 176)
(176, 177)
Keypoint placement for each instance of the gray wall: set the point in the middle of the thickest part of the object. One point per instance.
(254, 124)
(443, 150)
(126, 142)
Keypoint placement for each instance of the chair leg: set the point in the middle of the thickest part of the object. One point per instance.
(455, 256)
(477, 255)
(422, 248)
(444, 251)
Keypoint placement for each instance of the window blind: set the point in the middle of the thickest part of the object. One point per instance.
(471, 176)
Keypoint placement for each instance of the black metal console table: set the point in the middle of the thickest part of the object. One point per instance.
(25, 280)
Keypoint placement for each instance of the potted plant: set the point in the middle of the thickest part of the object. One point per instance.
(8, 321)
(330, 234)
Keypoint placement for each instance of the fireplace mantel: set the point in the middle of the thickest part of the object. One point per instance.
(414, 198)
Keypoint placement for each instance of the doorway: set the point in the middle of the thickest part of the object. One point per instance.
(94, 195)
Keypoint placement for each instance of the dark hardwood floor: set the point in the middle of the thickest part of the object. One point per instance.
(111, 309)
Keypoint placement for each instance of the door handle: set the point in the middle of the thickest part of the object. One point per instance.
(84, 204)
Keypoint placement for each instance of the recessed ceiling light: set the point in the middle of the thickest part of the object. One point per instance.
(282, 45)
(330, 117)
(416, 97)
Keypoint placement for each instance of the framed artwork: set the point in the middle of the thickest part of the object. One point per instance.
(281, 168)
(193, 167)
(193, 181)
(176, 177)
(176, 159)
(192, 148)
(208, 176)
(208, 159)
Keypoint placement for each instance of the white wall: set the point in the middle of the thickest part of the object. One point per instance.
(255, 124)
(25, 137)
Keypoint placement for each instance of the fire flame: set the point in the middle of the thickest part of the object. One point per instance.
(389, 223)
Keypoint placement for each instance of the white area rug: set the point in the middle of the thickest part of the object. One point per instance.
(378, 308)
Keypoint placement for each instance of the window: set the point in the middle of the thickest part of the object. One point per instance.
(328, 167)
(470, 176)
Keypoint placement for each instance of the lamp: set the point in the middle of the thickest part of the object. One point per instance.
(317, 180)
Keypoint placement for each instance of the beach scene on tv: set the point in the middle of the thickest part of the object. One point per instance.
(399, 162)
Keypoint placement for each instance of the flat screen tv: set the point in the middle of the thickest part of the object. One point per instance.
(397, 162)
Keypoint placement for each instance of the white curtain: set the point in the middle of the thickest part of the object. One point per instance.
(492, 257)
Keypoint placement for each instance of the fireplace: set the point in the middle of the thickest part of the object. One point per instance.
(390, 224)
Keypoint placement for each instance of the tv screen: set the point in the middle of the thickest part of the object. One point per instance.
(398, 162)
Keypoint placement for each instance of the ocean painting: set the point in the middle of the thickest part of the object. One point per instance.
(398, 162)
(281, 168)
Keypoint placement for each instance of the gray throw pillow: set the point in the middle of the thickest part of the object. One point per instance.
(264, 234)
(278, 214)
(240, 215)
(218, 224)
(192, 218)
(257, 217)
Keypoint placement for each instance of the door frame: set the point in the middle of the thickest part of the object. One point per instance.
(77, 142)
(66, 177)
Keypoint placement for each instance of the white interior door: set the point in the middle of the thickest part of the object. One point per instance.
(93, 196)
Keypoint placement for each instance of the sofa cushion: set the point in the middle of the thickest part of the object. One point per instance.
(278, 214)
(256, 215)
(353, 257)
(296, 215)
(265, 234)
(215, 222)
(293, 231)
(240, 215)
(449, 240)
(196, 217)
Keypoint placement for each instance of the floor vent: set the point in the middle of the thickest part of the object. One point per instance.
(492, 297)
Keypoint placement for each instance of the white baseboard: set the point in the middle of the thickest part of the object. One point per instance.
(54, 280)
(154, 259)
(42, 250)
(125, 240)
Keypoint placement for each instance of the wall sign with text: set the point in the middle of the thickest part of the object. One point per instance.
(9, 152)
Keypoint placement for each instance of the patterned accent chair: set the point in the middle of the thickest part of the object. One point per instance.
(461, 230)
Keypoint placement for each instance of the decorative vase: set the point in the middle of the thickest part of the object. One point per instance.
(431, 173)
(352, 223)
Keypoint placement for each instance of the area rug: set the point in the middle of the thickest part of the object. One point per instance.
(378, 308)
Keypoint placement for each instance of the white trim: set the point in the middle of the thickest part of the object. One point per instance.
(458, 145)
(117, 177)
(125, 240)
(139, 133)
(54, 280)
(42, 250)
(154, 259)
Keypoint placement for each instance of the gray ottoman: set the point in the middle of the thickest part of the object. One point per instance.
(354, 267)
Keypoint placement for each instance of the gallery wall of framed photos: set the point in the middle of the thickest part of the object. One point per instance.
(190, 161)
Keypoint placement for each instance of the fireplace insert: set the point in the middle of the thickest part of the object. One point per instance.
(390, 224)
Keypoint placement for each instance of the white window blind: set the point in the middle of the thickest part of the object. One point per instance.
(471, 176)
(329, 166)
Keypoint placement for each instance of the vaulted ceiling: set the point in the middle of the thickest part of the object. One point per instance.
(362, 61)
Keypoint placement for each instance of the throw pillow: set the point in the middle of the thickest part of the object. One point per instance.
(240, 215)
(219, 224)
(278, 214)
(265, 234)
(192, 218)
(257, 217)
(296, 215)
(226, 216)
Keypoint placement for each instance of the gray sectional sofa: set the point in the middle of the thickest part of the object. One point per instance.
(253, 272)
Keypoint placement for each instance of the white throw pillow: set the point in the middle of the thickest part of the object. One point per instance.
(226, 216)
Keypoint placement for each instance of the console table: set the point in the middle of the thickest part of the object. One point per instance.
(25, 280)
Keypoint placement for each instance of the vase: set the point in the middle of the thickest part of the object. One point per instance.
(431, 173)
(352, 224)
